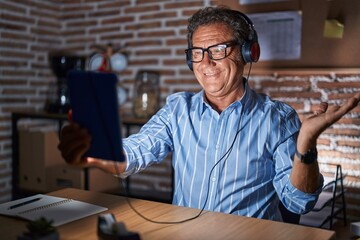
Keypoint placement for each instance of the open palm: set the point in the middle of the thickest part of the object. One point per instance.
(324, 116)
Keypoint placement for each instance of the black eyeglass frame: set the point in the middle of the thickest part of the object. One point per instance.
(188, 51)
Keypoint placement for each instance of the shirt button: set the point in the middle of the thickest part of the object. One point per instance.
(213, 179)
(217, 146)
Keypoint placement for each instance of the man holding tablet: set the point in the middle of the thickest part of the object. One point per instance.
(233, 150)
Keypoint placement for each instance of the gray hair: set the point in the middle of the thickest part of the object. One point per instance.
(211, 15)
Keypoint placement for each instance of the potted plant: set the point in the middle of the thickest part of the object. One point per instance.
(40, 229)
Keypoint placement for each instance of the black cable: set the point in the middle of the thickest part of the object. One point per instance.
(227, 154)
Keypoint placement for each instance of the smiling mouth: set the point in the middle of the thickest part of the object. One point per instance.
(211, 74)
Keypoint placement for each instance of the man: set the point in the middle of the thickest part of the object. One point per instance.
(233, 150)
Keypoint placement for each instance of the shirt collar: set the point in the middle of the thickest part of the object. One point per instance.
(242, 101)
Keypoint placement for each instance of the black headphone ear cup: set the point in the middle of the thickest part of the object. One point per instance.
(250, 51)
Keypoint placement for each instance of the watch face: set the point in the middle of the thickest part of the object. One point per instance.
(118, 62)
(95, 62)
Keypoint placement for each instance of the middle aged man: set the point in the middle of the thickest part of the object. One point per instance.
(233, 150)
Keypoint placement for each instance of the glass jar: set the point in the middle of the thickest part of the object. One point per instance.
(146, 94)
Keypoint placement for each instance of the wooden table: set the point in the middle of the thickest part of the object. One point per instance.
(209, 225)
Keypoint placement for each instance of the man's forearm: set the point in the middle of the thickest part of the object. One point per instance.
(305, 177)
(108, 166)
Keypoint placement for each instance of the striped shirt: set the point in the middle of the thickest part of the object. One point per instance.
(236, 162)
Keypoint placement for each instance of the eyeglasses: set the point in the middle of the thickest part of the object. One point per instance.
(216, 52)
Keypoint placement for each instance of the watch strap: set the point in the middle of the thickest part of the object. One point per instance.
(309, 157)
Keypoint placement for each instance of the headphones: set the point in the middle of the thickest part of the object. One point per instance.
(250, 49)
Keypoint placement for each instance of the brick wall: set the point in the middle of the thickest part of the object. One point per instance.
(153, 33)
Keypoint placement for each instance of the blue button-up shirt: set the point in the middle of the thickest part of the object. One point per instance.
(236, 162)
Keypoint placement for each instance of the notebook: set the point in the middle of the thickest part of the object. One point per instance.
(94, 104)
(59, 210)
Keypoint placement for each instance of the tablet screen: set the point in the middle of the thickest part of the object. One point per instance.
(94, 104)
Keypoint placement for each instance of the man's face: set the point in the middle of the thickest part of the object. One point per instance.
(218, 78)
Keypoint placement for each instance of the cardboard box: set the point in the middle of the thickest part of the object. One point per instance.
(37, 151)
(70, 176)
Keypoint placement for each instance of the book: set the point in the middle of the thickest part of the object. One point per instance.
(94, 106)
(56, 209)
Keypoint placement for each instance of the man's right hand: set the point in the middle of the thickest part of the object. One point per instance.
(74, 142)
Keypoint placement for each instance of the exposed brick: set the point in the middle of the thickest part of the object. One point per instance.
(45, 14)
(354, 121)
(323, 141)
(156, 52)
(12, 100)
(176, 23)
(43, 5)
(17, 18)
(189, 13)
(77, 8)
(344, 132)
(48, 41)
(80, 40)
(118, 20)
(10, 109)
(73, 32)
(17, 36)
(140, 2)
(12, 81)
(142, 9)
(25, 73)
(143, 62)
(98, 30)
(119, 36)
(80, 48)
(173, 42)
(13, 63)
(12, 26)
(16, 91)
(295, 94)
(111, 12)
(137, 43)
(42, 48)
(306, 85)
(336, 154)
(339, 96)
(337, 85)
(72, 16)
(156, 34)
(174, 62)
(79, 24)
(158, 15)
(147, 25)
(46, 23)
(115, 4)
(12, 7)
(354, 144)
(16, 54)
(183, 4)
(43, 31)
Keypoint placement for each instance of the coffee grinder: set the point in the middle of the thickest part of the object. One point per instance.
(61, 64)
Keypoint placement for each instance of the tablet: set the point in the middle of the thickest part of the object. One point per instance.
(94, 105)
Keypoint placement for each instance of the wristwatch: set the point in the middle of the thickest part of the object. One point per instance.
(309, 157)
